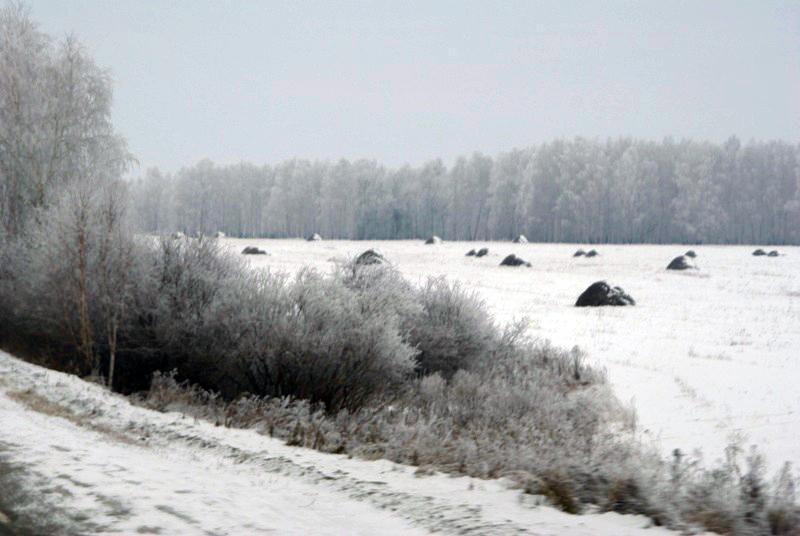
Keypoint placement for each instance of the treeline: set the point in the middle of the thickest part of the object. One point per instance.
(622, 191)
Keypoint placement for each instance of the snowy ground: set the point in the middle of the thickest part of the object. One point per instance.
(79, 460)
(703, 356)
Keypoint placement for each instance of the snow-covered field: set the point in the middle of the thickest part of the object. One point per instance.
(90, 463)
(704, 356)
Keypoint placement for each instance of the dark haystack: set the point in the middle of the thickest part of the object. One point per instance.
(521, 239)
(370, 257)
(433, 240)
(471, 253)
(314, 238)
(759, 252)
(601, 293)
(681, 263)
(773, 253)
(513, 260)
(482, 252)
(579, 253)
(252, 250)
(592, 253)
(690, 254)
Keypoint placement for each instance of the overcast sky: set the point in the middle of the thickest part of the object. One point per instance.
(406, 81)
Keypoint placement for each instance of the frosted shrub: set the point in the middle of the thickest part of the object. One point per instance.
(180, 288)
(732, 498)
(382, 290)
(12, 261)
(65, 281)
(188, 276)
(454, 332)
(330, 348)
(783, 511)
(235, 330)
(729, 497)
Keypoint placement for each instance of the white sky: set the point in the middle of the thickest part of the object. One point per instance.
(407, 81)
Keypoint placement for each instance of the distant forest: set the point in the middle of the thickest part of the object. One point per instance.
(588, 191)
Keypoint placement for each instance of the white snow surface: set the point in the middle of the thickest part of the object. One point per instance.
(128, 470)
(705, 356)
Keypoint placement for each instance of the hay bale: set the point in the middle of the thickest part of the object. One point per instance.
(601, 294)
(759, 252)
(433, 240)
(681, 263)
(521, 239)
(773, 253)
(219, 234)
(177, 235)
(691, 254)
(579, 253)
(471, 253)
(370, 257)
(513, 260)
(252, 250)
(314, 238)
(592, 253)
(482, 252)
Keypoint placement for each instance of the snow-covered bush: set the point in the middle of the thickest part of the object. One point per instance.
(454, 332)
(382, 290)
(189, 305)
(330, 346)
(66, 282)
(180, 316)
(729, 496)
(201, 311)
(448, 325)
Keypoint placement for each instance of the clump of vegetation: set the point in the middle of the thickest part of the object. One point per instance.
(454, 330)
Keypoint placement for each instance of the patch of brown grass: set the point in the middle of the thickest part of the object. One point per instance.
(36, 402)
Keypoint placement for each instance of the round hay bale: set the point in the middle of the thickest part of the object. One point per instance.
(773, 253)
(601, 293)
(370, 257)
(471, 253)
(681, 263)
(314, 238)
(579, 253)
(759, 253)
(482, 252)
(252, 250)
(433, 240)
(592, 253)
(691, 254)
(177, 235)
(513, 260)
(219, 234)
(521, 239)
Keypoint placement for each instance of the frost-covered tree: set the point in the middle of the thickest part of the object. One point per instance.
(581, 190)
(55, 118)
(66, 246)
